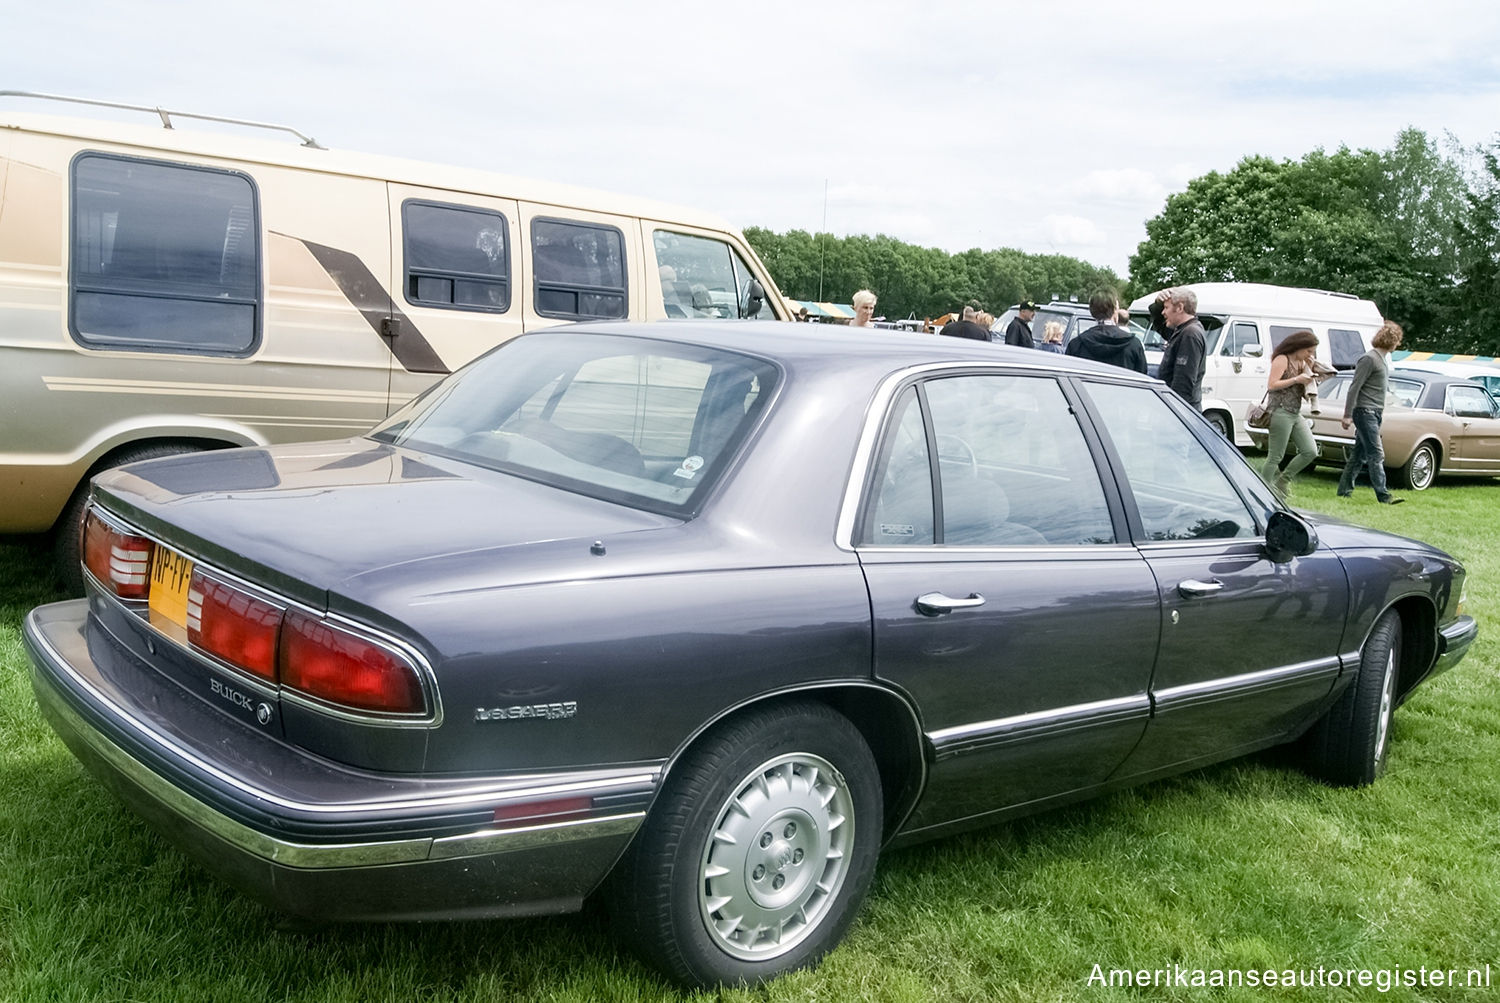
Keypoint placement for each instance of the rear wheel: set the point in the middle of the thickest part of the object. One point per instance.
(67, 539)
(759, 850)
(1421, 469)
(1348, 745)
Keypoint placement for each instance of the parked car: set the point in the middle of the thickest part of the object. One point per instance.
(1432, 423)
(1075, 319)
(701, 624)
(1485, 372)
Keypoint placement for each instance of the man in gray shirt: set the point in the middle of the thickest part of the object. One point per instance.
(1364, 406)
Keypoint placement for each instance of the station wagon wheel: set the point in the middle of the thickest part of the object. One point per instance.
(759, 851)
(1421, 469)
(1349, 744)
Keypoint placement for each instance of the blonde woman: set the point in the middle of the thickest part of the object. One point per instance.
(864, 308)
(1052, 333)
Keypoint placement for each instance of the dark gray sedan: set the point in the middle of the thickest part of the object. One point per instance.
(701, 620)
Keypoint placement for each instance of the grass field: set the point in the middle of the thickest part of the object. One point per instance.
(1244, 866)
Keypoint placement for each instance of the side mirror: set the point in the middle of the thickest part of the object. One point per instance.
(755, 296)
(1289, 536)
(1254, 351)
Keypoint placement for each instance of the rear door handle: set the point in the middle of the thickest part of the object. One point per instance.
(1192, 588)
(936, 604)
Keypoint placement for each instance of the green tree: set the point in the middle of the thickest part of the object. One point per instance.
(1476, 314)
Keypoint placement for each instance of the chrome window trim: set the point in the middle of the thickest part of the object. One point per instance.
(431, 718)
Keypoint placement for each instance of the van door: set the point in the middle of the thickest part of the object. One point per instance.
(580, 266)
(454, 276)
(1237, 368)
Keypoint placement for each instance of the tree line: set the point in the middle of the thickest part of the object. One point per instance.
(1416, 228)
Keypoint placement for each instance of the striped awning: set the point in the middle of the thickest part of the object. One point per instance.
(1404, 356)
(834, 311)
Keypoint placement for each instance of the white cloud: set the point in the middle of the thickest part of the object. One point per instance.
(1073, 231)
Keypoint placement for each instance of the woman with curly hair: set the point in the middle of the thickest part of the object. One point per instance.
(1291, 374)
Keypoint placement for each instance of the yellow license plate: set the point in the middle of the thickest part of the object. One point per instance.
(171, 573)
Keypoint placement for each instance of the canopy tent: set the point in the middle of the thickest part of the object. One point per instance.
(1405, 356)
(831, 311)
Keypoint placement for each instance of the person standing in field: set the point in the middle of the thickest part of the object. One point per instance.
(1291, 375)
(1364, 406)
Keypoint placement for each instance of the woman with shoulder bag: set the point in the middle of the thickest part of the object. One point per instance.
(1291, 374)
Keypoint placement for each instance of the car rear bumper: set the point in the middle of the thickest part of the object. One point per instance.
(383, 848)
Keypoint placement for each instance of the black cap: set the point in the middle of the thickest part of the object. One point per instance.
(1027, 305)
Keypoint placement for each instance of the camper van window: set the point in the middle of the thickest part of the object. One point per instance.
(579, 269)
(164, 257)
(1345, 347)
(457, 258)
(702, 277)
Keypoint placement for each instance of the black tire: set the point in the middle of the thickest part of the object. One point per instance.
(1421, 468)
(67, 534)
(772, 822)
(1348, 745)
(1220, 421)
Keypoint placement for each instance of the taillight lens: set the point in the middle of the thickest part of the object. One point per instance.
(230, 623)
(325, 661)
(120, 561)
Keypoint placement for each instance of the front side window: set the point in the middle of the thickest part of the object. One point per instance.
(456, 257)
(579, 269)
(164, 257)
(1180, 492)
(1241, 336)
(640, 422)
(704, 277)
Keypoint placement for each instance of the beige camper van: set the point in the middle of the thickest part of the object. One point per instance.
(165, 289)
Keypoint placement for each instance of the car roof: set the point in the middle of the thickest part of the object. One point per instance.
(815, 346)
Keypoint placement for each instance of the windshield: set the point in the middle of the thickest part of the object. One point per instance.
(638, 421)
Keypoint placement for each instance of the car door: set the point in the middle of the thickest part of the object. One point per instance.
(1475, 443)
(1005, 603)
(1249, 647)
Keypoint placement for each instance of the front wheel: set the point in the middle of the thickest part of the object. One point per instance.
(1421, 469)
(759, 851)
(1220, 421)
(1348, 745)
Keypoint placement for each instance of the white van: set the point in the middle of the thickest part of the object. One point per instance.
(164, 290)
(1243, 322)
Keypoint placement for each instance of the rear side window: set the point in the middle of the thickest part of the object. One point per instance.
(456, 257)
(1345, 347)
(580, 270)
(164, 257)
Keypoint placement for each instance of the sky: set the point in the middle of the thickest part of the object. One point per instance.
(1055, 127)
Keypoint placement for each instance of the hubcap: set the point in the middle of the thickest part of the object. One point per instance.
(1421, 469)
(1387, 699)
(777, 857)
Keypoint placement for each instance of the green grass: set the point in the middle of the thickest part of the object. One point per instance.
(1246, 865)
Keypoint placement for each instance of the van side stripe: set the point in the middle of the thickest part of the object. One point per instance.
(361, 288)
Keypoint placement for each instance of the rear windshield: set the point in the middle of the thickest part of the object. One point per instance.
(642, 422)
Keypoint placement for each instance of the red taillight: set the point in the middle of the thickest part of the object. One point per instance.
(325, 661)
(234, 625)
(120, 561)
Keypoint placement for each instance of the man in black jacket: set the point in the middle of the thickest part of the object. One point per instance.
(1183, 361)
(1104, 342)
(1018, 331)
(965, 327)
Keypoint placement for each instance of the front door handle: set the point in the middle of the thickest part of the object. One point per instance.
(1192, 588)
(936, 604)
